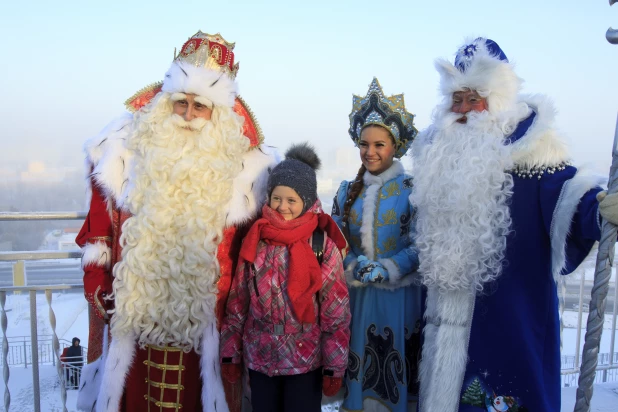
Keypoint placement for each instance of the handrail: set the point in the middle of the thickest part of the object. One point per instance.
(24, 216)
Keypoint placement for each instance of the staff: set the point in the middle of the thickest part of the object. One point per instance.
(602, 274)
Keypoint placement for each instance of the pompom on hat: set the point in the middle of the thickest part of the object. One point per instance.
(297, 171)
(481, 65)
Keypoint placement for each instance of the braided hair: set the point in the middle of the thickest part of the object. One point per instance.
(352, 195)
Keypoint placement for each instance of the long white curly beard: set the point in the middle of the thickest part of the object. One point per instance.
(165, 286)
(461, 191)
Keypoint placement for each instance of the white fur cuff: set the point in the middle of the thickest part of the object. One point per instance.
(98, 254)
(394, 274)
(570, 196)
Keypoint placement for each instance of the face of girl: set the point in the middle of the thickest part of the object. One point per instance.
(377, 149)
(286, 201)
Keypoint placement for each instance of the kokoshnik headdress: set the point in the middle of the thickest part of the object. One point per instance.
(388, 112)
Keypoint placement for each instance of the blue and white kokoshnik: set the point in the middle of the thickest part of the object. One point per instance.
(388, 112)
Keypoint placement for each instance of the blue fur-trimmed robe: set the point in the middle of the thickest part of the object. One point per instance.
(511, 352)
(385, 341)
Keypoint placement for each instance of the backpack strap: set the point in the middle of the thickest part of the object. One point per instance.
(317, 244)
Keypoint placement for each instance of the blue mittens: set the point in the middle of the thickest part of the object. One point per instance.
(370, 271)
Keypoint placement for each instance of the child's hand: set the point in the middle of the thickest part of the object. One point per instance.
(231, 372)
(331, 385)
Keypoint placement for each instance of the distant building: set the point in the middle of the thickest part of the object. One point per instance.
(60, 239)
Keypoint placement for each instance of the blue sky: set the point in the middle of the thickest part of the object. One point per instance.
(68, 66)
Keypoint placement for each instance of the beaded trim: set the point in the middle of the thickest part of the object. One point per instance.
(538, 171)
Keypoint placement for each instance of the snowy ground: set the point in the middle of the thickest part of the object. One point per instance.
(71, 313)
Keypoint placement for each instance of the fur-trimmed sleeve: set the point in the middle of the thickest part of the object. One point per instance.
(95, 239)
(570, 212)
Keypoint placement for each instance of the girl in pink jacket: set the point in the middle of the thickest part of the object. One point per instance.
(287, 316)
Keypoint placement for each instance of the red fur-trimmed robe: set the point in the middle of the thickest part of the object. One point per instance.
(99, 237)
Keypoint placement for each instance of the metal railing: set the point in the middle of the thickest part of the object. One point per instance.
(19, 277)
(607, 369)
(20, 350)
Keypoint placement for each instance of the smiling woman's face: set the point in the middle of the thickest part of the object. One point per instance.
(377, 149)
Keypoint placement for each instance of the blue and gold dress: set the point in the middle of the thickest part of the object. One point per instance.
(385, 342)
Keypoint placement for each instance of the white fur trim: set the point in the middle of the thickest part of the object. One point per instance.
(570, 196)
(96, 253)
(373, 184)
(445, 350)
(92, 376)
(213, 395)
(541, 145)
(394, 274)
(369, 211)
(392, 172)
(117, 364)
(249, 188)
(492, 78)
(110, 159)
(216, 86)
(349, 275)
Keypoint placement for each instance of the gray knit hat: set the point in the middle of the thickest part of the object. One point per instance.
(297, 171)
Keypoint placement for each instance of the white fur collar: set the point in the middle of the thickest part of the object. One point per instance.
(392, 172)
(541, 145)
(110, 162)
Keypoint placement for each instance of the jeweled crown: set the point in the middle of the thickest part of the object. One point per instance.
(211, 51)
(388, 112)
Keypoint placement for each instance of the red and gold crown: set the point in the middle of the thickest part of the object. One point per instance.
(211, 51)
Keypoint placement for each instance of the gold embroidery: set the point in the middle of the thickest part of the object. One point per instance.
(100, 307)
(391, 189)
(354, 218)
(104, 238)
(162, 385)
(356, 241)
(161, 405)
(164, 367)
(388, 245)
(388, 218)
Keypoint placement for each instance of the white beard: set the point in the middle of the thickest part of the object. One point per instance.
(165, 285)
(461, 191)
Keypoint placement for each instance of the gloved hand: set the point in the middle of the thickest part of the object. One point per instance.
(370, 271)
(608, 206)
(331, 385)
(96, 294)
(231, 372)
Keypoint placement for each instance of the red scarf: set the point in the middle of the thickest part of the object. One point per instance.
(305, 274)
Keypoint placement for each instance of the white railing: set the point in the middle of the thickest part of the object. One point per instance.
(577, 288)
(19, 278)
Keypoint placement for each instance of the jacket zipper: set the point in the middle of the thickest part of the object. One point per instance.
(255, 286)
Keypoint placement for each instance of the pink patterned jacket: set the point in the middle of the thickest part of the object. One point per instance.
(260, 327)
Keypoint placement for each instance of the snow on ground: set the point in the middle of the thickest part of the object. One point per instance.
(22, 395)
(604, 398)
(70, 308)
(71, 313)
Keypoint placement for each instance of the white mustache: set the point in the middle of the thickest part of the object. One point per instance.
(194, 125)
